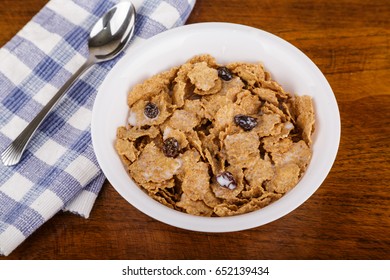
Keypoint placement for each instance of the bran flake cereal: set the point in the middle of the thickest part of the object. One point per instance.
(216, 140)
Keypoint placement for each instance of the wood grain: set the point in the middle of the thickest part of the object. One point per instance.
(347, 218)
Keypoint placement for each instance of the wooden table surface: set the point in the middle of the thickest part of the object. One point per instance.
(347, 218)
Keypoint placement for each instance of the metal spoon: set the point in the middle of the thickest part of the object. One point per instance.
(107, 39)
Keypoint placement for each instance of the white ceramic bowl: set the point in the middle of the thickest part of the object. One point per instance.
(228, 43)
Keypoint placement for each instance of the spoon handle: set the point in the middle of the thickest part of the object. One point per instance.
(13, 153)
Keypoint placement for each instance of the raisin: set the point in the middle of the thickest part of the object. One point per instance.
(151, 110)
(246, 122)
(226, 180)
(224, 73)
(171, 147)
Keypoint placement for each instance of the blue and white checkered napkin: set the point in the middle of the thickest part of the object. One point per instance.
(59, 169)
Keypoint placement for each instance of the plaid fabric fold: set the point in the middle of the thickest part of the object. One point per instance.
(58, 170)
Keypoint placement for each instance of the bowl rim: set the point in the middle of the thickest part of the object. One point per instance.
(253, 219)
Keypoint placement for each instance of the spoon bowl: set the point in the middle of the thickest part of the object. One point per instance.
(111, 33)
(108, 37)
